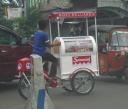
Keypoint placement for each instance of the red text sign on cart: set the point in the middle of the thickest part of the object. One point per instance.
(81, 59)
(72, 14)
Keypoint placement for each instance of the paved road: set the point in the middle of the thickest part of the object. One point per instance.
(9, 98)
(109, 93)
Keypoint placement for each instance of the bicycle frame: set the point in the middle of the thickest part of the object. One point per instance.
(26, 78)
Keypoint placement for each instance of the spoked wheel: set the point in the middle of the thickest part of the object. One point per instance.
(24, 87)
(67, 85)
(82, 82)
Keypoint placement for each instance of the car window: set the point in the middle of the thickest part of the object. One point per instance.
(7, 38)
(102, 37)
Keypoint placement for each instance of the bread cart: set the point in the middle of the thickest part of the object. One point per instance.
(77, 55)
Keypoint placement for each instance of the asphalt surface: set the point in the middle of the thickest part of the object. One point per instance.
(108, 93)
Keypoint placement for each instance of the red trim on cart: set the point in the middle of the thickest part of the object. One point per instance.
(71, 14)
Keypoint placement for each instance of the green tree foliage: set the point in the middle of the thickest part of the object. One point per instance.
(6, 22)
(3, 20)
(25, 25)
(28, 25)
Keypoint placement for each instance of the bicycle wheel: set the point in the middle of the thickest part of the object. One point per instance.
(24, 87)
(67, 85)
(82, 82)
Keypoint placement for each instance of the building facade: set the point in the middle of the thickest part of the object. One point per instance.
(100, 3)
(31, 3)
(113, 3)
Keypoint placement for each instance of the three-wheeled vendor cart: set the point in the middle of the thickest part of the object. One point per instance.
(77, 55)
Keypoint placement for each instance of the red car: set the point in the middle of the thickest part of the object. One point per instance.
(12, 48)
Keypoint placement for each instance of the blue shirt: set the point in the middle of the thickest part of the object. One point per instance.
(39, 43)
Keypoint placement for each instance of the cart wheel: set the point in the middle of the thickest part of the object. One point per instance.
(67, 85)
(82, 82)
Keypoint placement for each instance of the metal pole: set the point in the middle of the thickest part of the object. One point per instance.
(50, 31)
(26, 7)
(58, 26)
(97, 57)
(87, 26)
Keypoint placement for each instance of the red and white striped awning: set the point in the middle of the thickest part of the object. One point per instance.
(55, 15)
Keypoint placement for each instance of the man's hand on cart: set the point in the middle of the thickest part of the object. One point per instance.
(56, 42)
(55, 46)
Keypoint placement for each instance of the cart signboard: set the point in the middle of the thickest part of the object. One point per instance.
(81, 59)
(71, 14)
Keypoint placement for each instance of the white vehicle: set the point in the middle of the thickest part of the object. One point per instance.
(77, 55)
(77, 51)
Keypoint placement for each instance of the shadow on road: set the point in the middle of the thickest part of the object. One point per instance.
(110, 79)
(6, 86)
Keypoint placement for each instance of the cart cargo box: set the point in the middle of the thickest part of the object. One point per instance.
(76, 53)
